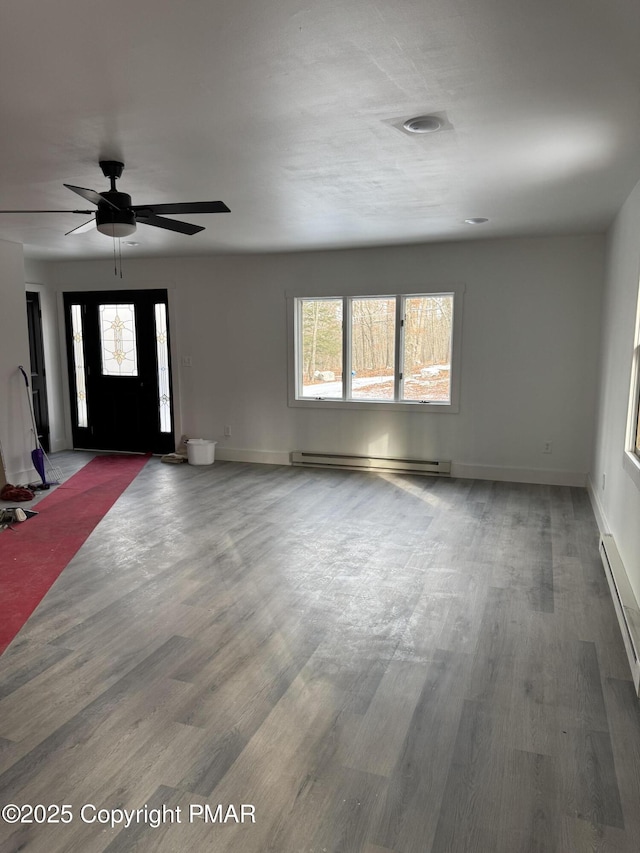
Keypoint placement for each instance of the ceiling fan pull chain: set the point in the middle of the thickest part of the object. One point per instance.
(120, 255)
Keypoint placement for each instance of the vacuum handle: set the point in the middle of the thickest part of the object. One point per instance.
(30, 399)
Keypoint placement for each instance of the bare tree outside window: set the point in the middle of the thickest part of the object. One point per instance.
(373, 334)
(321, 347)
(428, 327)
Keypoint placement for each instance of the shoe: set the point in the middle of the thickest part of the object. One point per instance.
(12, 514)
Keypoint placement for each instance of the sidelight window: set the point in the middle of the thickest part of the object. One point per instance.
(77, 341)
(162, 352)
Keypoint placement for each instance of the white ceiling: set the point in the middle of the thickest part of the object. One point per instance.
(287, 111)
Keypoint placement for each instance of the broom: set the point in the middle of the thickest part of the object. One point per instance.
(41, 461)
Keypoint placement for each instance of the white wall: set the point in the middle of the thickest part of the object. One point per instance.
(530, 350)
(619, 501)
(15, 421)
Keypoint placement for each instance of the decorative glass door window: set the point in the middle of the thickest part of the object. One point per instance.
(78, 365)
(162, 351)
(118, 340)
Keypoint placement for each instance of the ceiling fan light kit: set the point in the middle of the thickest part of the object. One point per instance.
(116, 223)
(113, 228)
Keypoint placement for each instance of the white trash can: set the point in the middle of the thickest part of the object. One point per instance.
(200, 451)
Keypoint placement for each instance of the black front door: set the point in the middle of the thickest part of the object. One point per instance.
(119, 370)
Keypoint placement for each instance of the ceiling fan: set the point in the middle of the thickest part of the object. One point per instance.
(117, 217)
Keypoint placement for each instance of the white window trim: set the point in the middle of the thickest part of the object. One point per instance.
(630, 460)
(457, 291)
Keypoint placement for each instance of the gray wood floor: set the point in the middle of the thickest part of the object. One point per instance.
(383, 664)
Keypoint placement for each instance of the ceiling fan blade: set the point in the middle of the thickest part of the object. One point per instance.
(169, 224)
(91, 195)
(186, 207)
(86, 212)
(86, 226)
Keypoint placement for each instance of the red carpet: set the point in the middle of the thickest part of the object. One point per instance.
(33, 555)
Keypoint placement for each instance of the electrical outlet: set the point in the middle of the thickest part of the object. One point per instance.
(227, 432)
(547, 447)
(186, 361)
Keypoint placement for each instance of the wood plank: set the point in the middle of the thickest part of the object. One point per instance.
(414, 795)
(469, 818)
(529, 819)
(384, 727)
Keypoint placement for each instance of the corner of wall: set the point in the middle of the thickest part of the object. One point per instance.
(598, 509)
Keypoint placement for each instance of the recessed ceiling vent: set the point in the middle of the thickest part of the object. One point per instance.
(423, 124)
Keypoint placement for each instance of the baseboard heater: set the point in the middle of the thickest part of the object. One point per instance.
(371, 463)
(624, 602)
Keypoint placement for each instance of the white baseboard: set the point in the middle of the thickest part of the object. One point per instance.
(518, 475)
(458, 469)
(624, 601)
(598, 510)
(265, 457)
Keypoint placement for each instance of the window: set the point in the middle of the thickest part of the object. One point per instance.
(78, 365)
(373, 347)
(394, 350)
(631, 458)
(162, 354)
(428, 330)
(118, 340)
(320, 360)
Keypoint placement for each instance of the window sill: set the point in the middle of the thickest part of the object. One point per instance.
(376, 405)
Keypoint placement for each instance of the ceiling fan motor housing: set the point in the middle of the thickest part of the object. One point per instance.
(115, 223)
(111, 168)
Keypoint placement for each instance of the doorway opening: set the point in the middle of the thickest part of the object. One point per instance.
(38, 381)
